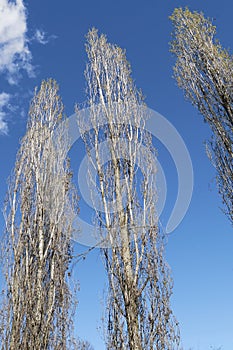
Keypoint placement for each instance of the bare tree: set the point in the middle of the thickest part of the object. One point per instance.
(84, 345)
(204, 71)
(139, 315)
(39, 211)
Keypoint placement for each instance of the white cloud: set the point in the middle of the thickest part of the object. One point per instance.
(14, 52)
(40, 36)
(4, 103)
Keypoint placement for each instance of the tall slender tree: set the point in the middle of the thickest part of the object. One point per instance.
(139, 315)
(40, 207)
(203, 70)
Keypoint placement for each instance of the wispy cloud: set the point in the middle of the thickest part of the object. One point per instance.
(14, 51)
(42, 38)
(4, 102)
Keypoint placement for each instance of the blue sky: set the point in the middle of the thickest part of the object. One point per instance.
(42, 39)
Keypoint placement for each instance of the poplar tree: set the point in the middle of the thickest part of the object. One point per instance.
(40, 207)
(138, 314)
(203, 70)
